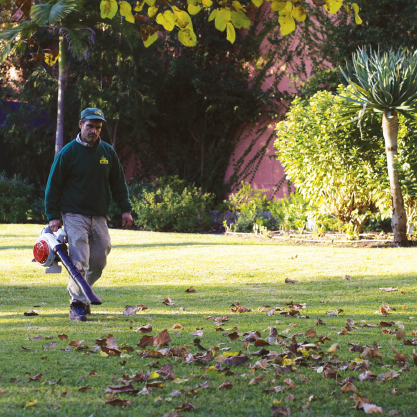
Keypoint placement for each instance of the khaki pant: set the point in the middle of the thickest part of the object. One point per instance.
(88, 244)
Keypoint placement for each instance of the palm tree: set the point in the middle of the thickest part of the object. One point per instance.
(63, 18)
(386, 83)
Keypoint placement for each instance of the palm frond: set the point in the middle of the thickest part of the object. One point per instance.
(386, 80)
(49, 14)
(25, 30)
(80, 40)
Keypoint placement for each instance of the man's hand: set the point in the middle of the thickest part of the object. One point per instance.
(54, 225)
(127, 220)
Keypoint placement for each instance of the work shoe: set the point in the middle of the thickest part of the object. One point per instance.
(87, 309)
(76, 313)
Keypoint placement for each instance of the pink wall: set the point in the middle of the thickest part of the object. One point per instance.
(270, 171)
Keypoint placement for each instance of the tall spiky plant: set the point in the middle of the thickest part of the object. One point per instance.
(385, 82)
(62, 17)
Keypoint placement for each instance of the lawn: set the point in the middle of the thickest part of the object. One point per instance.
(295, 369)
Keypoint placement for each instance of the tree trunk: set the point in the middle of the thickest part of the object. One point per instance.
(59, 137)
(399, 217)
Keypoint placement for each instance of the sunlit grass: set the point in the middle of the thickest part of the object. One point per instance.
(143, 267)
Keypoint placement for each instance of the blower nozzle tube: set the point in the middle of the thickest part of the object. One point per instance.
(60, 251)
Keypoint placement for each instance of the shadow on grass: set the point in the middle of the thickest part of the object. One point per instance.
(185, 244)
(16, 247)
(328, 293)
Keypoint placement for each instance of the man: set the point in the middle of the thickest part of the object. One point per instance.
(84, 177)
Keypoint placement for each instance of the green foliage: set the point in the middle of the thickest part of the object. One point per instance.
(250, 214)
(382, 81)
(16, 199)
(27, 141)
(291, 213)
(136, 191)
(173, 205)
(327, 162)
(340, 169)
(251, 205)
(386, 24)
(246, 195)
(178, 111)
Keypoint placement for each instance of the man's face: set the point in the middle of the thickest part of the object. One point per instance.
(90, 130)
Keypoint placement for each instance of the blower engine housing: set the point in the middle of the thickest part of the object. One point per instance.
(51, 248)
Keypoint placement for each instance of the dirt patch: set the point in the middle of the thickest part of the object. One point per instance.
(366, 240)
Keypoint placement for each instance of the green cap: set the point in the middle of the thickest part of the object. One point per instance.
(92, 113)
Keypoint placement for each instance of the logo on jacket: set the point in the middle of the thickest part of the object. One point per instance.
(103, 160)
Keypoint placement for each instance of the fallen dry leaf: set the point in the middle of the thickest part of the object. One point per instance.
(62, 337)
(35, 337)
(348, 387)
(311, 333)
(347, 277)
(334, 313)
(366, 376)
(388, 289)
(401, 357)
(168, 301)
(191, 289)
(162, 339)
(372, 409)
(76, 343)
(31, 313)
(185, 407)
(118, 401)
(25, 348)
(231, 336)
(290, 281)
(111, 351)
(386, 323)
(147, 328)
(257, 379)
(333, 348)
(145, 341)
(328, 373)
(122, 388)
(130, 311)
(388, 376)
(400, 334)
(280, 411)
(226, 385)
(236, 360)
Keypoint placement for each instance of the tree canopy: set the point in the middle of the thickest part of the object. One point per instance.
(151, 17)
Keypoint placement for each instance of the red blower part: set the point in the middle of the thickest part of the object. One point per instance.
(41, 251)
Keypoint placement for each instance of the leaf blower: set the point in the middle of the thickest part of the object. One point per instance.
(49, 249)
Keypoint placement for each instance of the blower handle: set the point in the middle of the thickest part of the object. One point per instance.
(61, 252)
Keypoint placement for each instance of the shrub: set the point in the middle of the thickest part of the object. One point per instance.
(251, 205)
(246, 194)
(291, 213)
(136, 191)
(173, 205)
(16, 198)
(335, 166)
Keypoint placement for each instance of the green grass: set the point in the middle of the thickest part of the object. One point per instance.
(144, 267)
